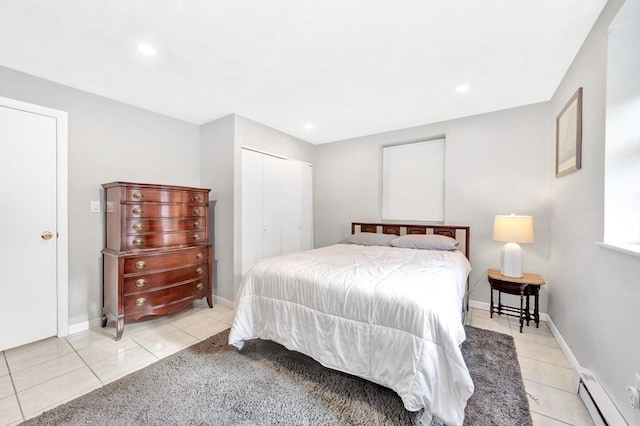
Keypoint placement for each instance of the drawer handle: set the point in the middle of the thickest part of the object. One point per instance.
(138, 242)
(137, 195)
(199, 255)
(140, 264)
(196, 223)
(138, 226)
(197, 198)
(137, 210)
(196, 237)
(141, 282)
(140, 301)
(200, 286)
(196, 211)
(199, 271)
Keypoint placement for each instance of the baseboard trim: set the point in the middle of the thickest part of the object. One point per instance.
(224, 302)
(84, 325)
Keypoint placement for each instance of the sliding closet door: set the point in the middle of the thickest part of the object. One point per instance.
(276, 206)
(274, 182)
(296, 206)
(252, 207)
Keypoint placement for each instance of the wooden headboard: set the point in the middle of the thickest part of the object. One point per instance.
(459, 233)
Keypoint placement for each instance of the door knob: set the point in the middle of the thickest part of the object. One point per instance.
(46, 235)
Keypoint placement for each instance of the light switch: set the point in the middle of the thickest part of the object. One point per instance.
(95, 207)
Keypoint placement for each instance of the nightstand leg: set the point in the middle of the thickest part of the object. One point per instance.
(491, 305)
(536, 312)
(528, 311)
(521, 313)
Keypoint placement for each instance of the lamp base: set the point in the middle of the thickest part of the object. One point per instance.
(511, 260)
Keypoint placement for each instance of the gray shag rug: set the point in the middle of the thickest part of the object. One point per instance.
(211, 383)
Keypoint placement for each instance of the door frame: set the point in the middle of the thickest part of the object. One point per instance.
(62, 184)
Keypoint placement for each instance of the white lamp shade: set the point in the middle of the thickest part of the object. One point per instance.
(513, 229)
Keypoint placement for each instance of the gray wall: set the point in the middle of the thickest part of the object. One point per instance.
(108, 141)
(594, 291)
(495, 163)
(216, 172)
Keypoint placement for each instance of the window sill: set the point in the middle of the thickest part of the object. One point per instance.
(630, 249)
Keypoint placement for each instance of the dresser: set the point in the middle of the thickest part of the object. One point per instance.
(158, 256)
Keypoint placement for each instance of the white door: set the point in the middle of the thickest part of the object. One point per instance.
(272, 219)
(276, 206)
(252, 208)
(28, 232)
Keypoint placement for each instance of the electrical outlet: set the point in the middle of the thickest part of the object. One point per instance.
(95, 207)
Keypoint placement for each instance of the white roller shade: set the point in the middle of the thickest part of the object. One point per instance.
(413, 181)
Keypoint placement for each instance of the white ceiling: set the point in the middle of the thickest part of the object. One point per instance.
(350, 68)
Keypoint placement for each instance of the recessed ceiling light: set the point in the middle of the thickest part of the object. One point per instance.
(146, 49)
(308, 126)
(462, 88)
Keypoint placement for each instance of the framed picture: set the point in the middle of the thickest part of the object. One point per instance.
(569, 136)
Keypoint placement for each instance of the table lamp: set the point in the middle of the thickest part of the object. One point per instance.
(512, 230)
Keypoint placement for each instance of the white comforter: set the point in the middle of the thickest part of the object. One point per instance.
(388, 315)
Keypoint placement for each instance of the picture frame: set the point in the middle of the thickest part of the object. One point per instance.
(569, 136)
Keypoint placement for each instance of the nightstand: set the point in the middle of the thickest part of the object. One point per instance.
(528, 285)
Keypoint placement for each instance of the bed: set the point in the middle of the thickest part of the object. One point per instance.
(346, 305)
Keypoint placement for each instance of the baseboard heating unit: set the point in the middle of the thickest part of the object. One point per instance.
(601, 409)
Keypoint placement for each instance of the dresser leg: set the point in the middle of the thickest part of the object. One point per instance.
(105, 319)
(119, 328)
(210, 301)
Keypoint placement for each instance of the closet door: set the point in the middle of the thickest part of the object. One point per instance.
(274, 181)
(252, 207)
(296, 206)
(276, 206)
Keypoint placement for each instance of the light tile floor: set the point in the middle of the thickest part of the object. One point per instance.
(44, 374)
(546, 373)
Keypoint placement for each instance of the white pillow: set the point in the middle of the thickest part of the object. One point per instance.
(425, 242)
(369, 239)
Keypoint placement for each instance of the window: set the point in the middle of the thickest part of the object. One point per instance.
(413, 181)
(622, 145)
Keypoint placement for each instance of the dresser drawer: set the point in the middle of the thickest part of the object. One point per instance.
(143, 226)
(140, 194)
(143, 302)
(159, 210)
(170, 260)
(147, 241)
(153, 281)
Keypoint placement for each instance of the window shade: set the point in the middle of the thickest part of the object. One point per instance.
(413, 181)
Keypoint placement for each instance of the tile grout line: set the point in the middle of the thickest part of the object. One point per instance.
(549, 386)
(13, 385)
(84, 361)
(546, 362)
(552, 418)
